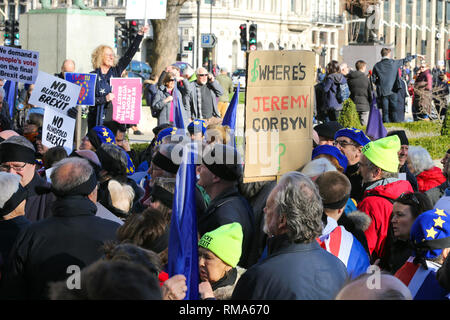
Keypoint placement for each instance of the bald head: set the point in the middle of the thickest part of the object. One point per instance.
(7, 133)
(68, 66)
(367, 287)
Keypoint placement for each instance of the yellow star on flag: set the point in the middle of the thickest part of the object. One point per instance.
(431, 233)
(108, 140)
(438, 222)
(105, 133)
(440, 212)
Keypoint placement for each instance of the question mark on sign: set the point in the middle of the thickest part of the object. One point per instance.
(281, 153)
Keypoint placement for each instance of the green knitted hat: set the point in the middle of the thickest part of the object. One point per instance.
(383, 153)
(225, 242)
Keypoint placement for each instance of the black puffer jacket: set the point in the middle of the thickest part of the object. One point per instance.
(360, 90)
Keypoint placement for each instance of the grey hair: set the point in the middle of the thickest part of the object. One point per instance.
(299, 201)
(384, 174)
(419, 159)
(117, 153)
(80, 172)
(21, 141)
(188, 71)
(122, 195)
(9, 184)
(318, 166)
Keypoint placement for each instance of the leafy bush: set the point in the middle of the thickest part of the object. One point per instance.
(349, 116)
(436, 146)
(445, 130)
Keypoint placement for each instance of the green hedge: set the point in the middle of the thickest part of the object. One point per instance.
(436, 146)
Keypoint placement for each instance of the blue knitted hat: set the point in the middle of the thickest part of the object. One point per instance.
(332, 151)
(356, 135)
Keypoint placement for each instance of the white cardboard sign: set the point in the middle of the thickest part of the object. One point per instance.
(58, 130)
(146, 9)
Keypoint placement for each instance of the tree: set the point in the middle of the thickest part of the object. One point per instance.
(349, 116)
(165, 37)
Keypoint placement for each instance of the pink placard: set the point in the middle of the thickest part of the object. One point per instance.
(127, 100)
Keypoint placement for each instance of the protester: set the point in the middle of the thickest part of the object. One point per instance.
(422, 166)
(350, 142)
(423, 87)
(331, 85)
(326, 131)
(333, 154)
(296, 266)
(227, 85)
(161, 197)
(430, 237)
(316, 167)
(219, 173)
(96, 137)
(219, 253)
(42, 254)
(217, 133)
(17, 155)
(12, 214)
(379, 169)
(386, 78)
(68, 65)
(437, 192)
(106, 67)
(119, 131)
(32, 124)
(403, 156)
(197, 129)
(388, 288)
(350, 246)
(202, 101)
(360, 91)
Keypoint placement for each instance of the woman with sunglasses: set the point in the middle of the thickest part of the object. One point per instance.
(406, 209)
(166, 100)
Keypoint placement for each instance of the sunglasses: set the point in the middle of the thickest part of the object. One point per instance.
(410, 197)
(202, 74)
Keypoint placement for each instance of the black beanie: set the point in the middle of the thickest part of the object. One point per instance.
(224, 161)
(401, 134)
(15, 149)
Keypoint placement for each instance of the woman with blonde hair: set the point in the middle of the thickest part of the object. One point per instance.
(107, 66)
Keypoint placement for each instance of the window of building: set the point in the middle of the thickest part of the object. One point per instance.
(447, 12)
(429, 13)
(439, 8)
(293, 7)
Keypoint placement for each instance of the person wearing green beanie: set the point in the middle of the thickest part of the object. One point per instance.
(219, 252)
(379, 167)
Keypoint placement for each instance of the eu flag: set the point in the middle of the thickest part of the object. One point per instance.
(375, 128)
(177, 105)
(183, 240)
(229, 118)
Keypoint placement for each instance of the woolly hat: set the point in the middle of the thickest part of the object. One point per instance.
(401, 135)
(430, 233)
(99, 135)
(356, 135)
(197, 126)
(225, 242)
(17, 148)
(383, 153)
(332, 151)
(328, 129)
(224, 161)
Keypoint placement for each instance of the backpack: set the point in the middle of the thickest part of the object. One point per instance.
(343, 92)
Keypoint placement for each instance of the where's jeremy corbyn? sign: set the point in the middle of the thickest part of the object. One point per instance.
(278, 112)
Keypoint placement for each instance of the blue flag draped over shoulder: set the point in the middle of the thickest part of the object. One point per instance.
(375, 128)
(10, 93)
(229, 119)
(177, 105)
(183, 241)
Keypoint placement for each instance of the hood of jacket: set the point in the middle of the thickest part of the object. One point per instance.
(337, 77)
(390, 188)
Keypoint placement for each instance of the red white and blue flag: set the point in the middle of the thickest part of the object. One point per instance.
(422, 282)
(342, 244)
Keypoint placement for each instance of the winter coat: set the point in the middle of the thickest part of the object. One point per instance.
(409, 176)
(224, 289)
(72, 236)
(430, 178)
(360, 90)
(9, 230)
(228, 207)
(434, 194)
(158, 103)
(216, 91)
(292, 271)
(377, 204)
(38, 206)
(227, 85)
(385, 74)
(330, 87)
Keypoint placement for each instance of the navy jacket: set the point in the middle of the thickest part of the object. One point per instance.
(330, 86)
(292, 271)
(385, 74)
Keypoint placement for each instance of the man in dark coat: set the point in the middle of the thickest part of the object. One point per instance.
(53, 249)
(387, 79)
(296, 267)
(17, 155)
(360, 90)
(219, 178)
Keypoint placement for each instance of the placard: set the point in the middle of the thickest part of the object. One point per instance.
(57, 130)
(127, 102)
(19, 65)
(87, 83)
(54, 93)
(146, 9)
(278, 113)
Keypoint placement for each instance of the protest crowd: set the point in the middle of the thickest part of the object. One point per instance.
(106, 222)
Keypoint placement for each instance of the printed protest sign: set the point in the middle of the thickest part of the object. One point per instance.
(146, 9)
(19, 65)
(55, 93)
(278, 113)
(127, 100)
(57, 130)
(87, 83)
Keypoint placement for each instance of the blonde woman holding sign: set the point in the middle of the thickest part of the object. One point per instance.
(106, 66)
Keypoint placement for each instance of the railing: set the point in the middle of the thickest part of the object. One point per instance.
(333, 19)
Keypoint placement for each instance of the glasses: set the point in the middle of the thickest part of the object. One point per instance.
(202, 74)
(409, 196)
(5, 167)
(343, 143)
(112, 55)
